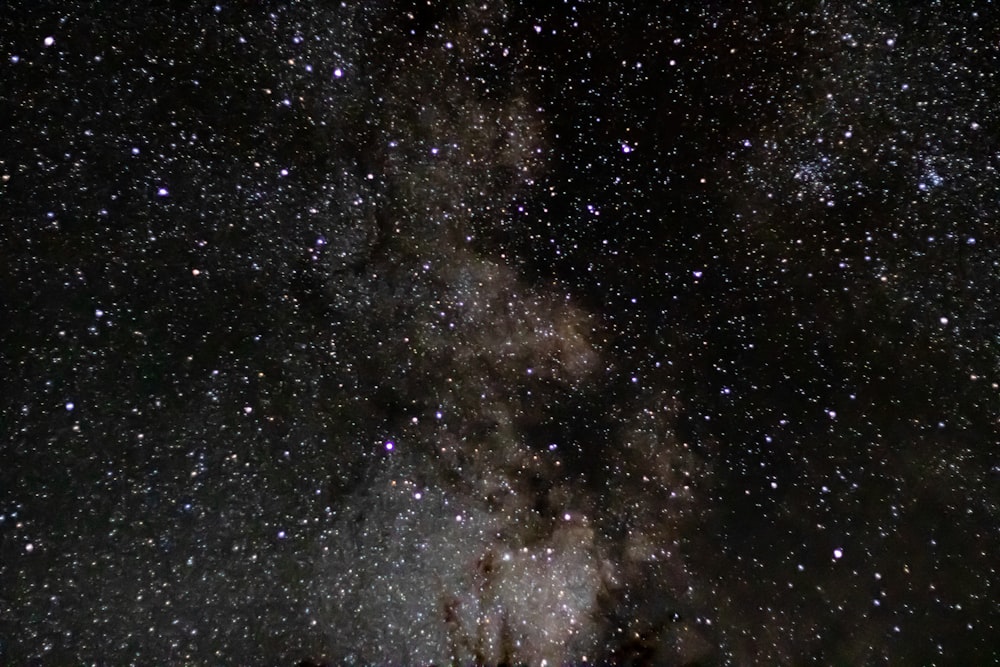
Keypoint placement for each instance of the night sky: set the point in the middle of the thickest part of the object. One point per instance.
(500, 332)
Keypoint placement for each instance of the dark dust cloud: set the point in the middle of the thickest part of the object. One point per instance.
(499, 332)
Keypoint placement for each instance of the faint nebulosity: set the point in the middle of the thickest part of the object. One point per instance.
(499, 332)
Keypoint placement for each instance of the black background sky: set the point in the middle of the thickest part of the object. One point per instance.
(412, 333)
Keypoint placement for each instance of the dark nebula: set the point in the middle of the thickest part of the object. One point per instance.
(402, 333)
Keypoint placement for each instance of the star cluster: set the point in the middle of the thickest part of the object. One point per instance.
(499, 332)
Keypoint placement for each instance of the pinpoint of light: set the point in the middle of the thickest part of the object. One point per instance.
(626, 148)
(337, 73)
(838, 554)
(49, 41)
(162, 192)
(70, 405)
(389, 445)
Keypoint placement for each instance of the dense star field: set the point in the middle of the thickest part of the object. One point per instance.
(500, 332)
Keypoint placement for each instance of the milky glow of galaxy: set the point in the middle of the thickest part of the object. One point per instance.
(499, 333)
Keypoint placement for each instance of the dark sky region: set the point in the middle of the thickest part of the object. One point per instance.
(412, 333)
